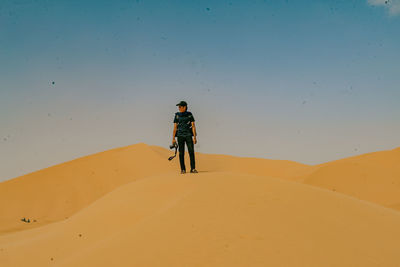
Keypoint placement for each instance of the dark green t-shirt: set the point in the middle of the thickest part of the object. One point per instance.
(184, 121)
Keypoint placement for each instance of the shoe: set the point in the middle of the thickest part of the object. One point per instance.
(183, 171)
(194, 171)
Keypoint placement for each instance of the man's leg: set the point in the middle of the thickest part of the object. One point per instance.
(181, 144)
(190, 145)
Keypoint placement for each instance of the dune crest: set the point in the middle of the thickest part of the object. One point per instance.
(373, 176)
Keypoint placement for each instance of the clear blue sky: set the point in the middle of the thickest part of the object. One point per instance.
(309, 81)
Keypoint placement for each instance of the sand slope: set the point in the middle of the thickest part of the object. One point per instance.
(214, 219)
(56, 192)
(373, 176)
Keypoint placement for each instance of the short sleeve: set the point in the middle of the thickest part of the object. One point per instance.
(191, 118)
(176, 118)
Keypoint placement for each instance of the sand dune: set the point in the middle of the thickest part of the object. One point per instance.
(130, 207)
(54, 193)
(373, 176)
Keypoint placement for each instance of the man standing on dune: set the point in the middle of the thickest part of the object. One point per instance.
(185, 130)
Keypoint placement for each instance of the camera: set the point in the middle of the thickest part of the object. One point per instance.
(175, 145)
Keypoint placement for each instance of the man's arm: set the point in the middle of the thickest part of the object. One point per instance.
(173, 133)
(194, 132)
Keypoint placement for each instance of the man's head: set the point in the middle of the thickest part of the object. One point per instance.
(182, 106)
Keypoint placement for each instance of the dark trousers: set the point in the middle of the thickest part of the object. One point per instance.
(181, 143)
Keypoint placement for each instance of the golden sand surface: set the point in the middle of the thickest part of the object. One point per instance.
(130, 206)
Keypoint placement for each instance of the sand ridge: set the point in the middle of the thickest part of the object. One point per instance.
(373, 176)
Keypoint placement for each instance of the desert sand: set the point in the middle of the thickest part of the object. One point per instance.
(130, 206)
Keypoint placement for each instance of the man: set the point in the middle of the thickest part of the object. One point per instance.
(185, 130)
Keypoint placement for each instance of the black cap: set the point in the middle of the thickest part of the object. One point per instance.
(182, 103)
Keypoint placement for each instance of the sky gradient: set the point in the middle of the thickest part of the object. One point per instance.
(309, 81)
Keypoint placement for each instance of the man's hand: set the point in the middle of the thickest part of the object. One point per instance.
(194, 140)
(173, 141)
